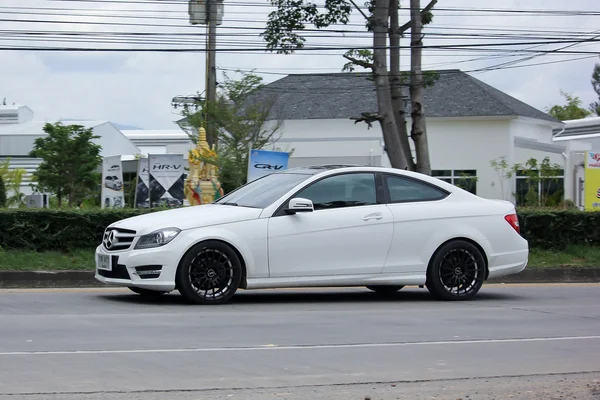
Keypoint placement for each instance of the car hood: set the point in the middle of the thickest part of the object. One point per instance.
(187, 218)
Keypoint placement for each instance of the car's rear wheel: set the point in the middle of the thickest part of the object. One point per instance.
(456, 271)
(210, 273)
(385, 290)
(147, 292)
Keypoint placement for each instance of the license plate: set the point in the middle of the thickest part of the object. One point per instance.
(104, 262)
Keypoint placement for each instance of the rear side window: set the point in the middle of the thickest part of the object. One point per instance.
(404, 190)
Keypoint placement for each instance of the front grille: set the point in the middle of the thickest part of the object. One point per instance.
(117, 239)
(119, 271)
(149, 271)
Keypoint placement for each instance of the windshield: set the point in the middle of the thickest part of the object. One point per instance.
(264, 191)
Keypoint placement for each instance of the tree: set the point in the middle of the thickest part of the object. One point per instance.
(396, 81)
(12, 179)
(244, 118)
(70, 160)
(569, 111)
(292, 16)
(2, 193)
(419, 130)
(595, 106)
(540, 177)
(17, 198)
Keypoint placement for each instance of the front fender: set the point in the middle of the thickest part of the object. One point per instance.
(249, 238)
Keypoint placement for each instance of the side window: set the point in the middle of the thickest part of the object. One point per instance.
(348, 190)
(406, 190)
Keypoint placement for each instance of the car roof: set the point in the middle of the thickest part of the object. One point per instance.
(317, 169)
(332, 169)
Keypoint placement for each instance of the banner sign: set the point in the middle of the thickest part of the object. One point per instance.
(166, 179)
(265, 162)
(592, 181)
(141, 188)
(112, 183)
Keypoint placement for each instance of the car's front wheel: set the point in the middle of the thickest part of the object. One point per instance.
(210, 273)
(456, 271)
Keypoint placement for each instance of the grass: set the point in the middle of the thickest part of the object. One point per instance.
(572, 256)
(82, 260)
(14, 260)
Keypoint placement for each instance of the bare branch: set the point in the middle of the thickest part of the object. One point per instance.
(359, 9)
(367, 118)
(424, 11)
(356, 61)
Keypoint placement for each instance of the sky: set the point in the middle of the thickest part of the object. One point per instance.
(135, 88)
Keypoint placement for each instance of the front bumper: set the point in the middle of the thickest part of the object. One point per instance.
(152, 269)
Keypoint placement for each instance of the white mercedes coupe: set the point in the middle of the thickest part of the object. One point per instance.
(320, 226)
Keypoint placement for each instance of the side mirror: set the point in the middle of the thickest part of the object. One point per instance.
(300, 205)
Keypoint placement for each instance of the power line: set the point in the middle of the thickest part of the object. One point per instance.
(231, 50)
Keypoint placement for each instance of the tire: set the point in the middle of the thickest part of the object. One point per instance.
(385, 290)
(209, 273)
(456, 271)
(147, 292)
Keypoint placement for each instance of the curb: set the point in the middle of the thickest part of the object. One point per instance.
(553, 275)
(83, 279)
(47, 279)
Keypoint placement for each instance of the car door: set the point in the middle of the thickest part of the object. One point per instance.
(418, 212)
(349, 232)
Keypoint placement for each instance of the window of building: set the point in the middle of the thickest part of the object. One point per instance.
(463, 178)
(407, 190)
(535, 190)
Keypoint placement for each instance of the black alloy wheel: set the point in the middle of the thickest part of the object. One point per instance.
(210, 273)
(456, 271)
(147, 292)
(385, 290)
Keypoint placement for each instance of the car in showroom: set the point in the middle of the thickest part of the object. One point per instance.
(319, 226)
(113, 182)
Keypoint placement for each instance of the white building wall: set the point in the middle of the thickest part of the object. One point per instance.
(594, 142)
(329, 141)
(471, 144)
(113, 142)
(454, 144)
(180, 148)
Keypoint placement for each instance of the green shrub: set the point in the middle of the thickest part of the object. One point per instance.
(63, 230)
(2, 193)
(60, 230)
(557, 229)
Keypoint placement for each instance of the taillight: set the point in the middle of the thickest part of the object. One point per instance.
(513, 220)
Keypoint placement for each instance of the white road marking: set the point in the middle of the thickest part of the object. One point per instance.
(296, 347)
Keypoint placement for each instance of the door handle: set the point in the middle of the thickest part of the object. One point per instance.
(373, 216)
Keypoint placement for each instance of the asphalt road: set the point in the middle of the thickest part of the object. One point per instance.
(524, 341)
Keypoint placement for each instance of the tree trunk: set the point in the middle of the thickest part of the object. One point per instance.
(396, 85)
(386, 117)
(419, 131)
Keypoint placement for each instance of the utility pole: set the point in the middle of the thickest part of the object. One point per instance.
(211, 73)
(209, 13)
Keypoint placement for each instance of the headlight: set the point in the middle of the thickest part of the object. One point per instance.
(157, 238)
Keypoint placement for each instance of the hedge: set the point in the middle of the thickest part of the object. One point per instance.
(60, 230)
(550, 229)
(64, 230)
(2, 193)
